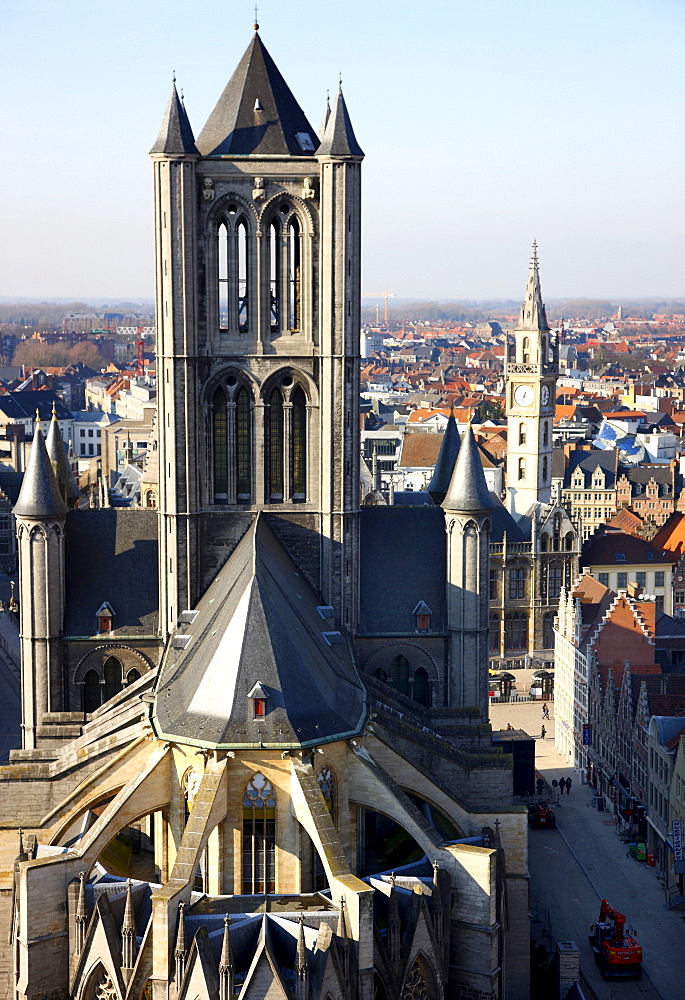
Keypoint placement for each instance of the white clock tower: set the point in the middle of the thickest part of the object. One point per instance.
(531, 369)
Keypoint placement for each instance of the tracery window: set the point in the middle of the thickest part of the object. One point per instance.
(259, 836)
(286, 442)
(132, 676)
(415, 986)
(233, 242)
(294, 275)
(232, 443)
(276, 446)
(274, 246)
(327, 785)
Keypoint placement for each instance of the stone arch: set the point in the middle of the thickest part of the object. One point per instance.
(95, 658)
(219, 211)
(417, 658)
(420, 980)
(298, 377)
(98, 983)
(218, 379)
(305, 216)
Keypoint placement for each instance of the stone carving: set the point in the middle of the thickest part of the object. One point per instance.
(308, 188)
(259, 191)
(106, 990)
(208, 189)
(415, 987)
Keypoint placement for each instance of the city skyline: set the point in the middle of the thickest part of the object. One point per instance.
(512, 124)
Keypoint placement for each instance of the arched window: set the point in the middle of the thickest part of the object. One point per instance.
(132, 676)
(113, 675)
(275, 442)
(522, 433)
(545, 433)
(299, 445)
(421, 688)
(526, 350)
(243, 447)
(399, 674)
(381, 674)
(327, 786)
(220, 422)
(522, 468)
(223, 255)
(544, 542)
(544, 469)
(243, 276)
(274, 246)
(294, 275)
(259, 836)
(91, 692)
(233, 272)
(568, 541)
(416, 984)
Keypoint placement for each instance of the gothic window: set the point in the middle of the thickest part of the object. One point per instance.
(91, 692)
(399, 674)
(544, 542)
(220, 420)
(415, 986)
(568, 541)
(274, 243)
(522, 434)
(494, 632)
(381, 675)
(544, 469)
(113, 675)
(522, 468)
(299, 444)
(275, 442)
(421, 688)
(327, 786)
(233, 277)
(132, 675)
(243, 446)
(545, 433)
(294, 274)
(516, 631)
(259, 836)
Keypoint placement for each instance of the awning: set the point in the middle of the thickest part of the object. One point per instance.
(659, 833)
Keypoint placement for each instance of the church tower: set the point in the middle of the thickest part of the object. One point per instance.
(531, 371)
(258, 298)
(40, 514)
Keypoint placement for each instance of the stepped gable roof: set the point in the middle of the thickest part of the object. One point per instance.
(468, 491)
(257, 114)
(58, 455)
(175, 133)
(39, 495)
(111, 556)
(444, 466)
(258, 623)
(338, 138)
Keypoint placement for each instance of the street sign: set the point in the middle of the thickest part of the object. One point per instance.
(587, 735)
(677, 837)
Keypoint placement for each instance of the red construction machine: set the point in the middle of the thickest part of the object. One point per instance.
(616, 953)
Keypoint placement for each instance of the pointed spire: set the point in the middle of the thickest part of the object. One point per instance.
(444, 467)
(23, 853)
(302, 962)
(344, 942)
(468, 491)
(175, 134)
(81, 914)
(180, 949)
(128, 933)
(39, 495)
(339, 138)
(438, 916)
(60, 462)
(326, 115)
(226, 969)
(532, 315)
(235, 127)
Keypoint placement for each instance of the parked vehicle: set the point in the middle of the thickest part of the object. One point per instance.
(540, 815)
(617, 953)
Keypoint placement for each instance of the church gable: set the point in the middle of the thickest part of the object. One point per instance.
(201, 981)
(101, 956)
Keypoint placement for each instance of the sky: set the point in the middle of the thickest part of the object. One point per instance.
(486, 124)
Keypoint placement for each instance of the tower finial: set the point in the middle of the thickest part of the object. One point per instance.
(340, 80)
(256, 22)
(173, 77)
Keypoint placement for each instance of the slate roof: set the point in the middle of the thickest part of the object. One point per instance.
(339, 138)
(175, 133)
(468, 491)
(111, 555)
(258, 623)
(588, 461)
(444, 466)
(402, 555)
(39, 496)
(23, 404)
(603, 549)
(257, 113)
(58, 455)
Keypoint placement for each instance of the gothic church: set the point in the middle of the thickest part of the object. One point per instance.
(257, 759)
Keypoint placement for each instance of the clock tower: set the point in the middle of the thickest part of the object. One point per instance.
(531, 370)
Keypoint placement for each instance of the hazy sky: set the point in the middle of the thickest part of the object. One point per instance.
(485, 123)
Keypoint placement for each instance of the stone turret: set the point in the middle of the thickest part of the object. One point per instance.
(128, 936)
(444, 467)
(40, 514)
(60, 463)
(467, 508)
(180, 949)
(301, 965)
(226, 969)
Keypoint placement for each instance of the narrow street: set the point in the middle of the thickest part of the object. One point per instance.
(583, 861)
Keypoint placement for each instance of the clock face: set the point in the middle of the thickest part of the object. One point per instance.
(545, 395)
(523, 395)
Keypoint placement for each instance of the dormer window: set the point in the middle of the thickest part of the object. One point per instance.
(423, 617)
(257, 697)
(104, 615)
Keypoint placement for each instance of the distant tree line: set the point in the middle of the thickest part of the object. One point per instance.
(37, 354)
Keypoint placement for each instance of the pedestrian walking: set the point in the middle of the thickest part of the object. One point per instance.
(543, 733)
(545, 711)
(562, 784)
(568, 785)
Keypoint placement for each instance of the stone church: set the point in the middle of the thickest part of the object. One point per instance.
(256, 754)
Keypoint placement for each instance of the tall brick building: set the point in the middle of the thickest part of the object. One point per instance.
(256, 753)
